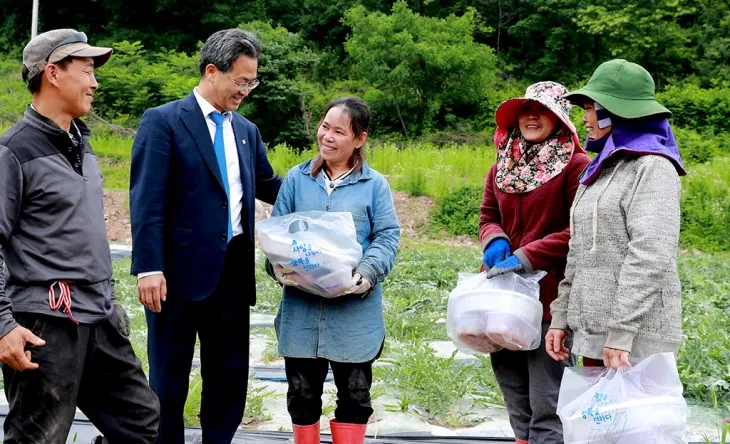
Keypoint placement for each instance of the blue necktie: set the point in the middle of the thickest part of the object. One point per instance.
(220, 154)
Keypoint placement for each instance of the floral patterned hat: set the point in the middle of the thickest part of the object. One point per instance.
(549, 94)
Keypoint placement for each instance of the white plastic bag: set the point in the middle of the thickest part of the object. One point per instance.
(641, 404)
(313, 250)
(486, 315)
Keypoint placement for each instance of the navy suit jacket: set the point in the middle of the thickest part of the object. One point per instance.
(178, 206)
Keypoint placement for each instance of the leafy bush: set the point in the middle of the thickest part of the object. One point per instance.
(430, 70)
(698, 147)
(416, 184)
(698, 108)
(280, 105)
(705, 207)
(458, 211)
(13, 93)
(134, 80)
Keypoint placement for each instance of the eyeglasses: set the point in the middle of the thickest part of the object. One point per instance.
(243, 86)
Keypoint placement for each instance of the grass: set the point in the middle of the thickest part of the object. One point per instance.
(416, 168)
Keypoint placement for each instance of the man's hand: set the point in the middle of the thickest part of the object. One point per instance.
(555, 344)
(12, 348)
(614, 358)
(151, 291)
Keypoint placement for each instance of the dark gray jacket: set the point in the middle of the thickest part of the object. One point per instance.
(51, 224)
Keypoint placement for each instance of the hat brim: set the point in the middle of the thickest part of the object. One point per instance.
(99, 54)
(506, 114)
(626, 108)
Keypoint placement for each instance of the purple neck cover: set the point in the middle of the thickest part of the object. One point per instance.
(633, 137)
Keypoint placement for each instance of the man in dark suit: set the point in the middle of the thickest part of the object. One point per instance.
(197, 166)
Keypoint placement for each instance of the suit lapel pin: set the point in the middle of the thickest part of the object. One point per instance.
(243, 141)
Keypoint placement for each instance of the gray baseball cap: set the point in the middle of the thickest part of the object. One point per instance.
(54, 46)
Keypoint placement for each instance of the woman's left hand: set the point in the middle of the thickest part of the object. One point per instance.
(512, 263)
(360, 285)
(614, 358)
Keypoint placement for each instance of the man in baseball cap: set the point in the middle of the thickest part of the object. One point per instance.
(54, 46)
(63, 338)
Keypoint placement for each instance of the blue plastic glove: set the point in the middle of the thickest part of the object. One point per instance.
(497, 251)
(512, 263)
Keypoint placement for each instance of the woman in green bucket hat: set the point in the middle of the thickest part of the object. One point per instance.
(621, 293)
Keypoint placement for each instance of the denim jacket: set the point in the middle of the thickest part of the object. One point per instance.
(348, 328)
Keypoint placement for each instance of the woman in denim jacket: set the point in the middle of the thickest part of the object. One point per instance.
(347, 332)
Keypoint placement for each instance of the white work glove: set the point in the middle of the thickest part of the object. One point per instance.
(281, 275)
(359, 285)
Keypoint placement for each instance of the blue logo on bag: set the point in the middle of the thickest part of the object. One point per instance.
(307, 260)
(597, 411)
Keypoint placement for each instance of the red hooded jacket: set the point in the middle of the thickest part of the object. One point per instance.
(536, 224)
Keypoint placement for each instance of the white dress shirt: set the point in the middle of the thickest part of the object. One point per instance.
(234, 172)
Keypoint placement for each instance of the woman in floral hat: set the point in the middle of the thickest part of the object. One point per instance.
(621, 295)
(524, 225)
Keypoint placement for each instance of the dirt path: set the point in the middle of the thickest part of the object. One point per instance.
(116, 214)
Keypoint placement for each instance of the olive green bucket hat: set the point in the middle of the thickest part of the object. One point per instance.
(623, 88)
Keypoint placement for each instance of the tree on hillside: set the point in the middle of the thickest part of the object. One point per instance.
(649, 33)
(425, 67)
(712, 60)
(286, 70)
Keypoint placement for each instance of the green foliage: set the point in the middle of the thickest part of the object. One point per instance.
(280, 105)
(538, 39)
(697, 108)
(271, 352)
(191, 413)
(256, 395)
(458, 211)
(648, 33)
(126, 290)
(114, 154)
(417, 290)
(705, 207)
(427, 68)
(534, 39)
(722, 423)
(268, 291)
(416, 184)
(437, 388)
(698, 148)
(134, 80)
(712, 61)
(443, 167)
(13, 93)
(705, 352)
